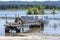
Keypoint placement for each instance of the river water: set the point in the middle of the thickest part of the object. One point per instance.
(53, 26)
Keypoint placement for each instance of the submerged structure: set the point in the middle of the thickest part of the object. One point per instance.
(27, 22)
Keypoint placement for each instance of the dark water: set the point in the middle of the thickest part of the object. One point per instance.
(53, 26)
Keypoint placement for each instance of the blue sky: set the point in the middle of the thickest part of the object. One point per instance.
(29, 0)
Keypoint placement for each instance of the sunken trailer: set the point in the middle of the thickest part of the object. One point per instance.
(24, 24)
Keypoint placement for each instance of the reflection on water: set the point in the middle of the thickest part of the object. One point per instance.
(33, 30)
(2, 28)
(53, 27)
(12, 13)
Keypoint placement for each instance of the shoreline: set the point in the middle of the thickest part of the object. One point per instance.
(29, 34)
(12, 10)
(23, 9)
(31, 37)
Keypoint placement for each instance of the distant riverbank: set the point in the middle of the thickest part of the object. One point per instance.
(13, 9)
(22, 9)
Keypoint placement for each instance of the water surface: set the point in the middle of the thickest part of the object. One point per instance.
(53, 26)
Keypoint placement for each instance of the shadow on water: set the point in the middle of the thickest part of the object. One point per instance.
(34, 29)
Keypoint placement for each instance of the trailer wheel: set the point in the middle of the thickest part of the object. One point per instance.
(6, 29)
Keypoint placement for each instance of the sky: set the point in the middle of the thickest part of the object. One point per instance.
(29, 0)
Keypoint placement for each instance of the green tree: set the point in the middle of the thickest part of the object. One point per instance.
(35, 10)
(29, 11)
(42, 8)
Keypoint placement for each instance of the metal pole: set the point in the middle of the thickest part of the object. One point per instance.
(6, 17)
(40, 24)
(18, 15)
(15, 15)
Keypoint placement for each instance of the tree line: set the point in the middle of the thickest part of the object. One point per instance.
(25, 6)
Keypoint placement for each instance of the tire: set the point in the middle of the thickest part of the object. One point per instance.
(6, 30)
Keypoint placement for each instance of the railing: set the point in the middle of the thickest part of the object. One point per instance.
(28, 23)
